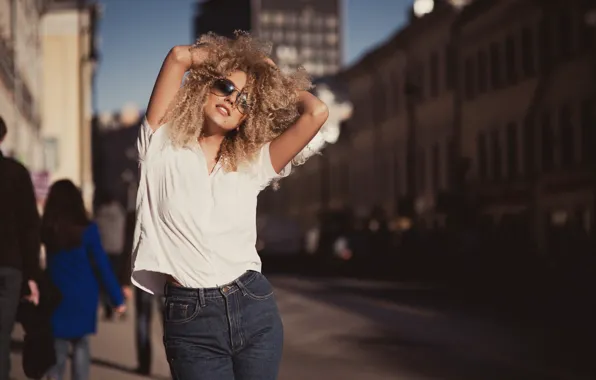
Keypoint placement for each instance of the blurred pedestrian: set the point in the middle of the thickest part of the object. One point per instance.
(111, 221)
(206, 150)
(19, 246)
(144, 305)
(77, 264)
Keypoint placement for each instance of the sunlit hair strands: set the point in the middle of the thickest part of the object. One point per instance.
(273, 96)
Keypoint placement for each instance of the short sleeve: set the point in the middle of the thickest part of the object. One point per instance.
(147, 137)
(266, 172)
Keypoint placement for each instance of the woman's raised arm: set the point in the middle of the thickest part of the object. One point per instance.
(313, 114)
(178, 61)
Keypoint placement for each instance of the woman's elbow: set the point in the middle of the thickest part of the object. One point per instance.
(179, 54)
(321, 112)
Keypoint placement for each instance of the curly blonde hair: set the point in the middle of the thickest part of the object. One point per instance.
(273, 96)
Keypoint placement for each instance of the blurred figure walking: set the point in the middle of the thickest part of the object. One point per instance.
(111, 221)
(77, 264)
(19, 246)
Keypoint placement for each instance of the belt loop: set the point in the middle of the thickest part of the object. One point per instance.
(202, 297)
(240, 286)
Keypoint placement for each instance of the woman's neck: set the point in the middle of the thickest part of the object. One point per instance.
(210, 145)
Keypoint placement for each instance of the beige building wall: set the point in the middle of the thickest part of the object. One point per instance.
(20, 84)
(426, 54)
(68, 75)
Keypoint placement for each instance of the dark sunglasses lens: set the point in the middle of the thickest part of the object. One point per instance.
(223, 87)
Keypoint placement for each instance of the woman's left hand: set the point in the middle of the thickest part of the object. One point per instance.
(120, 309)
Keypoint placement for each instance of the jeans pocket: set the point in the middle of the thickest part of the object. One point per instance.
(259, 288)
(181, 310)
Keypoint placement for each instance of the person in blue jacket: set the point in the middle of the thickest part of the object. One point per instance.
(78, 266)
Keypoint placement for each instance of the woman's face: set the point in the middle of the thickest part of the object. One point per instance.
(227, 104)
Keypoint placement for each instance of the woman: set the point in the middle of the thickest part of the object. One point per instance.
(206, 150)
(76, 262)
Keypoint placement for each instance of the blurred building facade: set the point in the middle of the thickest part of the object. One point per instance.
(115, 158)
(69, 32)
(21, 80)
(47, 64)
(307, 33)
(527, 114)
(484, 113)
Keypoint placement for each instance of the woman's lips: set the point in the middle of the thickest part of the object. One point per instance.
(223, 110)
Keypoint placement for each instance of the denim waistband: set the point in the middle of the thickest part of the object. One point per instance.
(210, 293)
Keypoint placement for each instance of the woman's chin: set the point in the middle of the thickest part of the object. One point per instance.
(219, 123)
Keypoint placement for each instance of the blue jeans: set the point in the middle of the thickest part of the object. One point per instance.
(81, 359)
(233, 332)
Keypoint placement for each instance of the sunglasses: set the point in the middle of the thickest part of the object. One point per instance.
(225, 87)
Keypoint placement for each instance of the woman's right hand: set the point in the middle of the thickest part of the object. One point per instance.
(179, 60)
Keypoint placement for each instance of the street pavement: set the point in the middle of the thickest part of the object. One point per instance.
(333, 333)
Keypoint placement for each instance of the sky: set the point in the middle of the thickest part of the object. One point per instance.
(135, 38)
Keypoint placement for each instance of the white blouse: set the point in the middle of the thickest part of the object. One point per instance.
(198, 227)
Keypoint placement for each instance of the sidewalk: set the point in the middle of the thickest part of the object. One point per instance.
(112, 350)
(321, 343)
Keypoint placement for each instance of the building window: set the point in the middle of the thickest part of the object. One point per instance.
(588, 133)
(545, 41)
(331, 22)
(528, 62)
(452, 165)
(482, 71)
(565, 31)
(306, 39)
(436, 169)
(277, 36)
(548, 143)
(278, 19)
(497, 155)
(421, 171)
(469, 77)
(529, 147)
(304, 20)
(434, 75)
(482, 153)
(495, 65)
(317, 39)
(510, 60)
(586, 35)
(345, 179)
(380, 106)
(51, 153)
(265, 18)
(450, 67)
(291, 37)
(396, 176)
(512, 149)
(395, 92)
(291, 19)
(331, 38)
(416, 81)
(566, 136)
